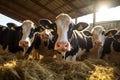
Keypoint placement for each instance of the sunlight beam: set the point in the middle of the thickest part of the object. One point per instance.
(103, 8)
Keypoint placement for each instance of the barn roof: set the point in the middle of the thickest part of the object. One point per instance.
(38, 9)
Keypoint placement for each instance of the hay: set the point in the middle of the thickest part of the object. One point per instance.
(25, 70)
(12, 68)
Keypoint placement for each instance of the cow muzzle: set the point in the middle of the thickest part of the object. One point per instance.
(62, 46)
(97, 44)
(24, 43)
(45, 37)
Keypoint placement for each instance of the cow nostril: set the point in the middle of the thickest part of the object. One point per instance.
(42, 36)
(66, 45)
(26, 42)
(21, 43)
(58, 44)
(62, 44)
(95, 42)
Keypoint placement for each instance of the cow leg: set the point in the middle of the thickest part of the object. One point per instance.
(35, 54)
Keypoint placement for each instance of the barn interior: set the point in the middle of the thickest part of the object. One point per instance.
(49, 9)
(13, 67)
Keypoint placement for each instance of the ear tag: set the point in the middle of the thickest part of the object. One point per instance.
(110, 34)
(46, 26)
(12, 28)
(80, 28)
(3, 28)
(41, 30)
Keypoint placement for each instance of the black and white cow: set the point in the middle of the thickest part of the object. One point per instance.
(100, 40)
(28, 29)
(108, 43)
(10, 37)
(70, 42)
(116, 42)
(15, 34)
(43, 43)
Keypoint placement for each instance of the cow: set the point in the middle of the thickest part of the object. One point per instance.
(15, 34)
(111, 48)
(69, 41)
(10, 36)
(108, 43)
(28, 29)
(43, 43)
(100, 40)
(116, 42)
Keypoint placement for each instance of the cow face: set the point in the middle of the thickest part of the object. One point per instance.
(64, 32)
(45, 30)
(99, 35)
(27, 31)
(45, 33)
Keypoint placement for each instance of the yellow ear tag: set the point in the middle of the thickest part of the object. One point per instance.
(41, 30)
(46, 26)
(80, 27)
(12, 28)
(3, 28)
(110, 34)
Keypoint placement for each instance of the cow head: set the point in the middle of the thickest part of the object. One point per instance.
(44, 30)
(99, 35)
(64, 32)
(27, 33)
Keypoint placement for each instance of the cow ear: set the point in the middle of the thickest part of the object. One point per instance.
(81, 26)
(53, 26)
(11, 25)
(87, 33)
(111, 33)
(45, 22)
(117, 37)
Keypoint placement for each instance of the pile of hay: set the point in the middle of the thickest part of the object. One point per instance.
(51, 69)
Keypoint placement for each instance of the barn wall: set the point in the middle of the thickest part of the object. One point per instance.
(108, 25)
